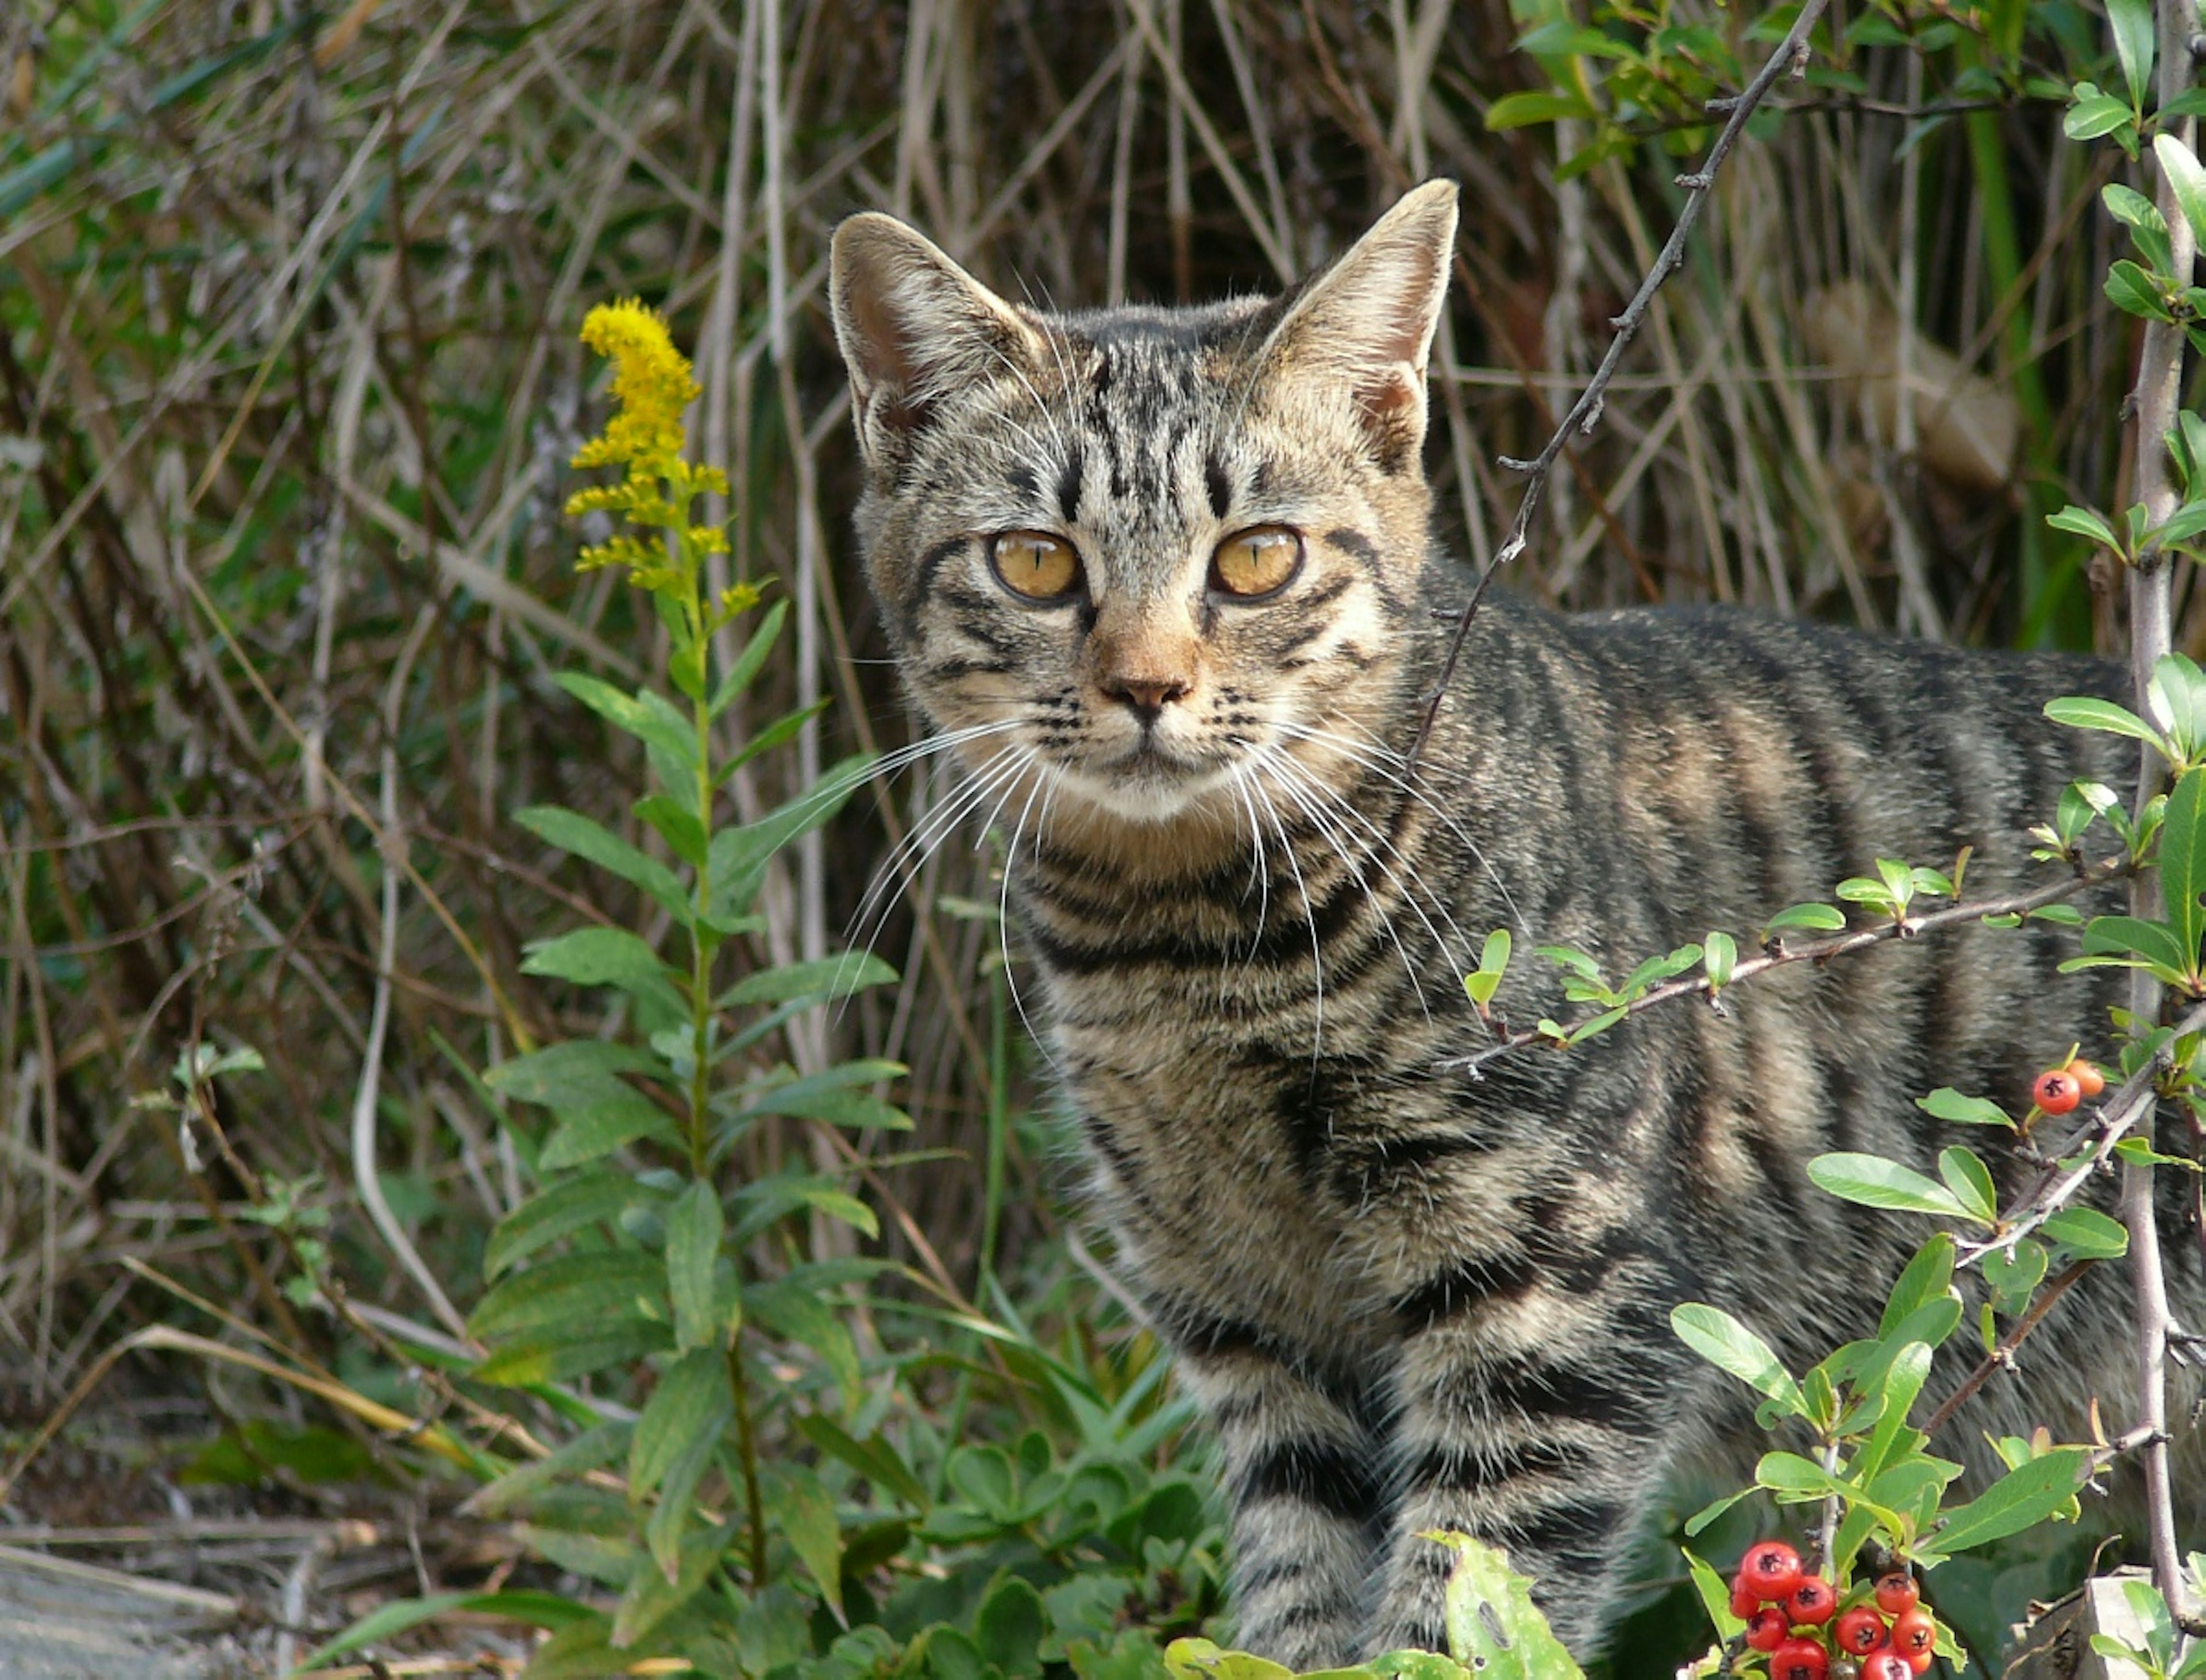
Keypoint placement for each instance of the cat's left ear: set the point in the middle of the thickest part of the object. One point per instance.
(1367, 322)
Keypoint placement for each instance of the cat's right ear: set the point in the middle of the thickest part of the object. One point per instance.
(914, 329)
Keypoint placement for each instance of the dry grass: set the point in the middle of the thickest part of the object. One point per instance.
(289, 379)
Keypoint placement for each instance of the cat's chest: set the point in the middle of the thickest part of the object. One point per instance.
(1216, 1167)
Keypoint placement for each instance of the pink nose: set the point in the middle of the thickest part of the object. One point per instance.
(1148, 697)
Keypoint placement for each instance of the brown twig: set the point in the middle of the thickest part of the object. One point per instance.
(1815, 950)
(1585, 414)
(2004, 1353)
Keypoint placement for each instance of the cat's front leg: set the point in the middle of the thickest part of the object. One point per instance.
(1538, 1417)
(1306, 1474)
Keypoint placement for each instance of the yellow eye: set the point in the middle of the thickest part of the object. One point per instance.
(1034, 564)
(1256, 563)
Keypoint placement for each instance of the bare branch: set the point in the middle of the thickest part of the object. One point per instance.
(1792, 55)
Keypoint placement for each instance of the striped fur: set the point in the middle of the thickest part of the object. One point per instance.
(1411, 1301)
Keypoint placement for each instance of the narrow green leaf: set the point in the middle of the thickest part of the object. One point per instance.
(1521, 110)
(1903, 1381)
(582, 1292)
(1874, 1182)
(591, 1130)
(1946, 1103)
(1820, 918)
(799, 1508)
(1970, 1182)
(604, 956)
(2018, 1500)
(2087, 1233)
(632, 713)
(873, 1457)
(569, 1205)
(2134, 41)
(694, 1224)
(2183, 864)
(747, 664)
(572, 1074)
(678, 825)
(1929, 1276)
(1719, 958)
(2134, 292)
(541, 1610)
(2179, 164)
(2155, 941)
(827, 977)
(1729, 1346)
(693, 1401)
(571, 831)
(2084, 523)
(2094, 115)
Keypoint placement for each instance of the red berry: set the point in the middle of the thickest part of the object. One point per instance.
(1921, 1661)
(1767, 1628)
(1858, 1632)
(2089, 1080)
(1897, 1592)
(2057, 1091)
(1798, 1659)
(1886, 1665)
(1744, 1601)
(1771, 1570)
(1812, 1601)
(1913, 1632)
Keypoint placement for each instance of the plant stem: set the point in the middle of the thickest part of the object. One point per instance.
(747, 1449)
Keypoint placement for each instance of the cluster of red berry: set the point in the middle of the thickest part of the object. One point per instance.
(2058, 1090)
(1794, 1616)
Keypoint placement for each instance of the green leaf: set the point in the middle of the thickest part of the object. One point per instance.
(2147, 227)
(801, 1509)
(571, 1349)
(826, 1095)
(605, 957)
(829, 977)
(1493, 1625)
(2155, 941)
(873, 1457)
(2087, 712)
(573, 832)
(1903, 1381)
(1729, 1346)
(655, 726)
(1714, 1593)
(1202, 1659)
(572, 1074)
(1820, 917)
(1946, 1103)
(2180, 166)
(2087, 1233)
(592, 1130)
(2183, 863)
(1874, 1182)
(2094, 115)
(694, 1402)
(2084, 523)
(2134, 41)
(2018, 1500)
(2133, 291)
(651, 1597)
(1010, 1628)
(1520, 111)
(583, 1291)
(569, 1205)
(1970, 1182)
(746, 665)
(678, 825)
(1719, 958)
(2014, 1272)
(1492, 962)
(541, 1610)
(694, 1224)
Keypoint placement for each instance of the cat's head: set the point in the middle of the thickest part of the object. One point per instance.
(1141, 552)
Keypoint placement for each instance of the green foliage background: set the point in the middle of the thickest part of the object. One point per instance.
(289, 382)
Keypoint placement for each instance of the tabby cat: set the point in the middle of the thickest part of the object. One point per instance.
(1165, 579)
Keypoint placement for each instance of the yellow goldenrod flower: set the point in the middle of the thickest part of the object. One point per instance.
(651, 386)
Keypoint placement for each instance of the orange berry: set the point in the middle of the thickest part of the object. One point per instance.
(2089, 1080)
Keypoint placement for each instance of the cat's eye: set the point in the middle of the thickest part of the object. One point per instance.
(1257, 562)
(1034, 564)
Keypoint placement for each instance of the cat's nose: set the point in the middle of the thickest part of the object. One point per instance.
(1146, 698)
